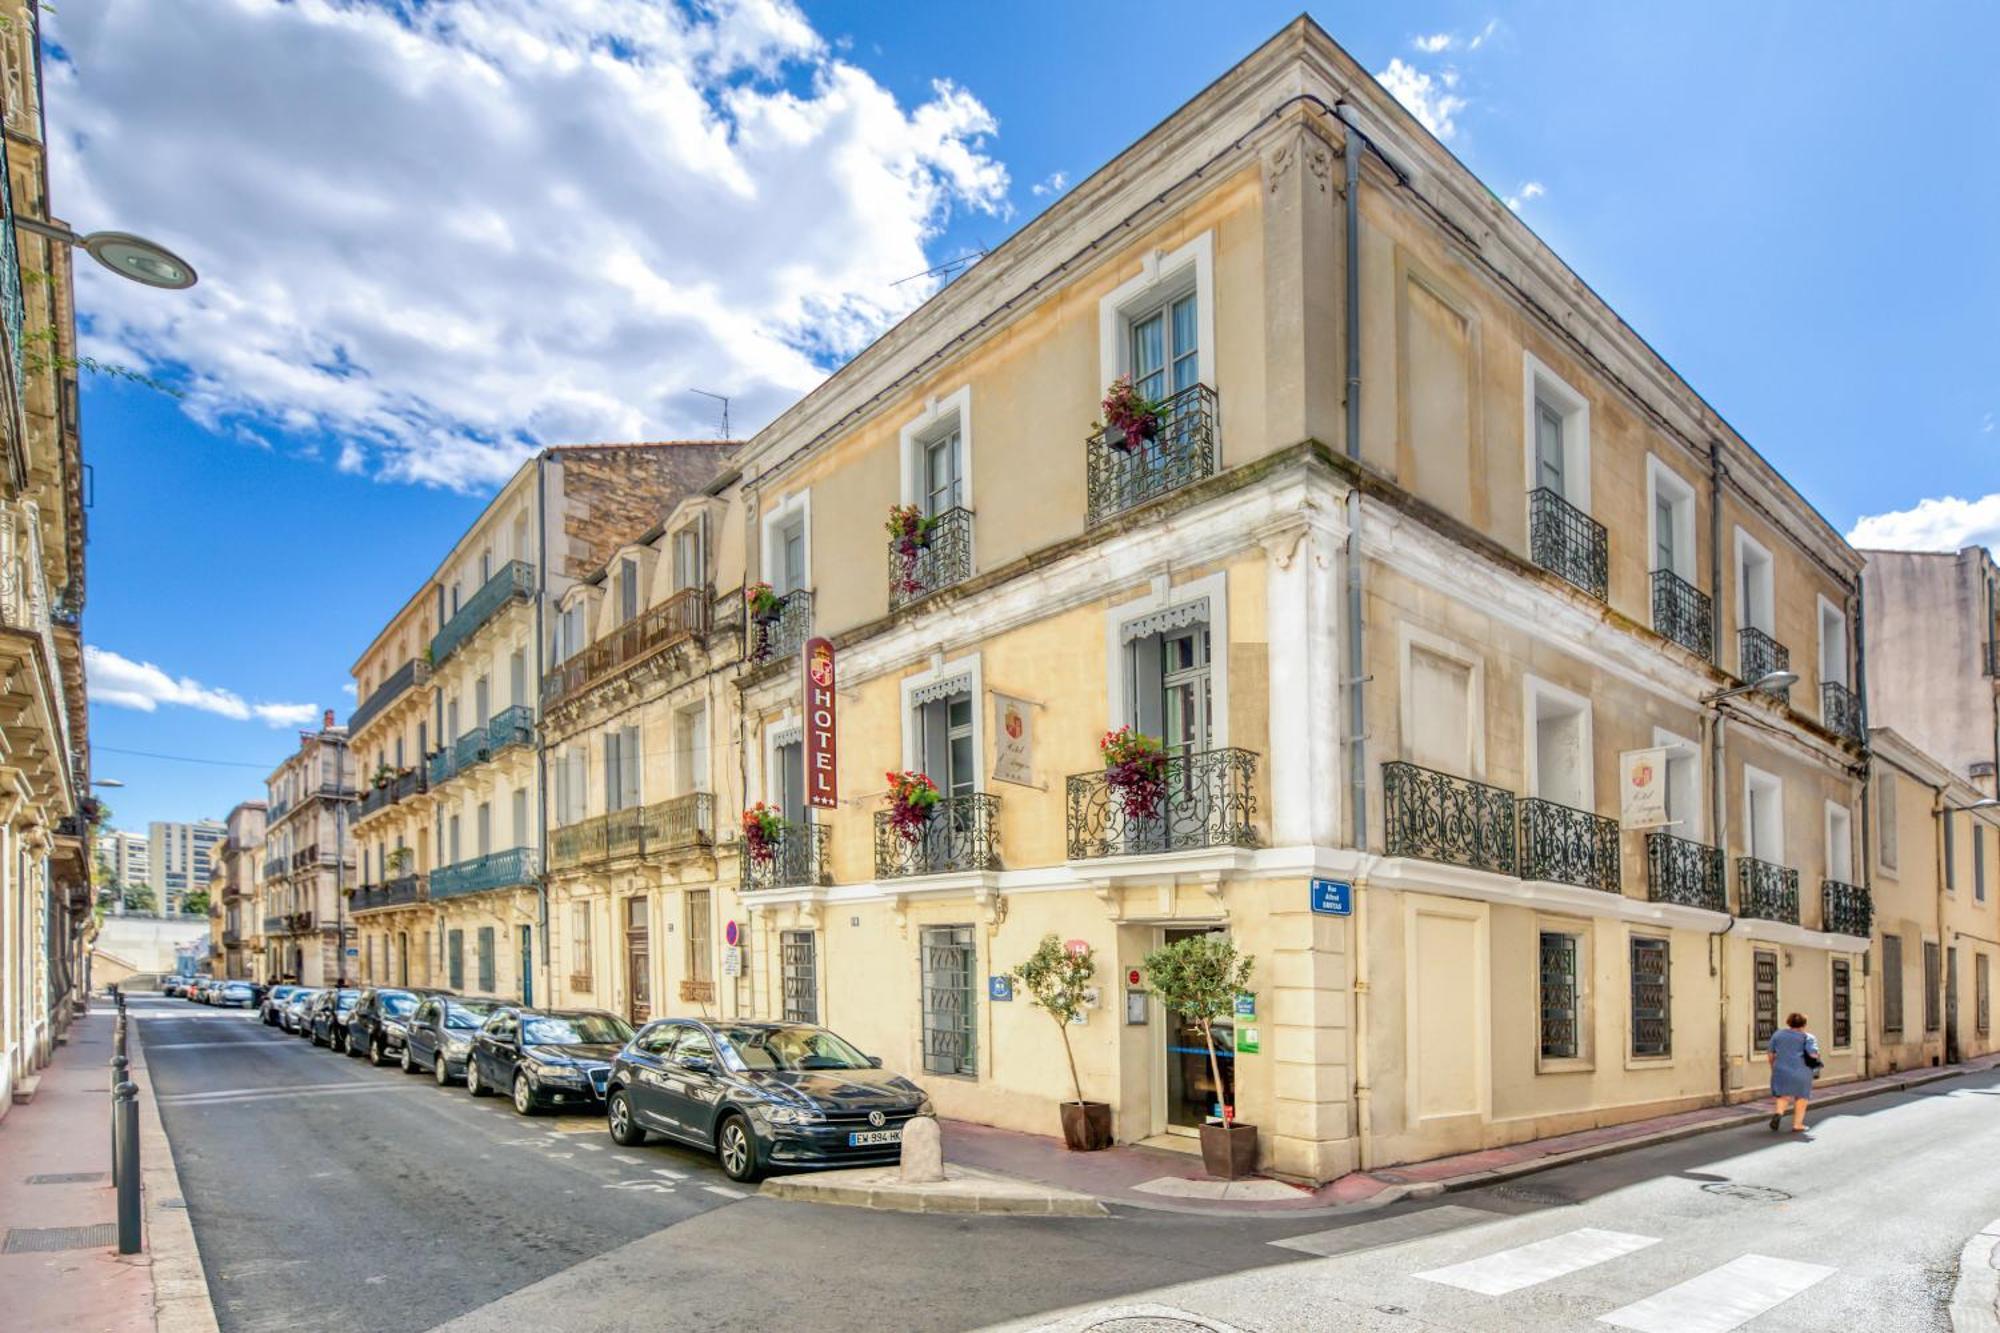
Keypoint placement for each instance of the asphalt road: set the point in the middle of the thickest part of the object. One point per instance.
(326, 1194)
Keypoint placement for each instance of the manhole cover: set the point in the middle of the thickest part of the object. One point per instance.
(67, 1177)
(40, 1240)
(1535, 1194)
(1729, 1189)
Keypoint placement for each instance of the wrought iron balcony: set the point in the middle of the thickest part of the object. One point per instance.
(1991, 656)
(507, 869)
(13, 308)
(399, 787)
(231, 938)
(1840, 710)
(298, 922)
(958, 836)
(1568, 542)
(1437, 817)
(1568, 846)
(411, 674)
(1766, 891)
(470, 748)
(516, 579)
(441, 766)
(1121, 474)
(1683, 613)
(784, 631)
(683, 616)
(1758, 655)
(944, 558)
(1845, 909)
(1207, 799)
(642, 830)
(278, 809)
(274, 924)
(277, 866)
(510, 726)
(796, 860)
(1684, 872)
(402, 891)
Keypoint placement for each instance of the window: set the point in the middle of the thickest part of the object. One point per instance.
(1672, 518)
(569, 632)
(1885, 817)
(579, 946)
(1843, 1004)
(522, 835)
(1440, 712)
(944, 734)
(1755, 598)
(801, 976)
(787, 784)
(628, 590)
(1764, 998)
(486, 977)
(1159, 326)
(1933, 1007)
(517, 677)
(1559, 996)
(1683, 785)
(1982, 995)
(1652, 1021)
(700, 965)
(454, 958)
(1763, 816)
(1163, 348)
(572, 784)
(482, 700)
(687, 557)
(1832, 643)
(1560, 768)
(1839, 844)
(1978, 831)
(949, 956)
(943, 473)
(621, 768)
(1557, 434)
(1892, 984)
(483, 817)
(691, 748)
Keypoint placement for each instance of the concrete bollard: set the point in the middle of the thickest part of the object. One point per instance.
(125, 1121)
(923, 1152)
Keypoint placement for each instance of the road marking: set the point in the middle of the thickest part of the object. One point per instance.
(629, 1161)
(643, 1186)
(670, 1175)
(1388, 1231)
(591, 1147)
(1722, 1298)
(230, 1096)
(199, 1045)
(1541, 1261)
(725, 1191)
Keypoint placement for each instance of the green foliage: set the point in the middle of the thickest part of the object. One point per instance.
(1199, 978)
(196, 903)
(139, 898)
(1056, 981)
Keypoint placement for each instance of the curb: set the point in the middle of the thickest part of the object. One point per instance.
(181, 1302)
(1975, 1301)
(1050, 1203)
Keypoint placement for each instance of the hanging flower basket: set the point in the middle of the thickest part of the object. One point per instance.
(909, 537)
(1135, 769)
(765, 605)
(763, 830)
(912, 797)
(1130, 420)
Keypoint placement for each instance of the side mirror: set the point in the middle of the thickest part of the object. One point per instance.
(874, 1062)
(696, 1064)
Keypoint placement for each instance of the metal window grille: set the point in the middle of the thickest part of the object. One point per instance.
(1652, 995)
(455, 958)
(1764, 996)
(1892, 983)
(801, 973)
(1843, 1004)
(1933, 1011)
(948, 959)
(1559, 997)
(1982, 995)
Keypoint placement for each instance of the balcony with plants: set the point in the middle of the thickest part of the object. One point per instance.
(1565, 845)
(1766, 891)
(514, 582)
(927, 554)
(515, 867)
(1568, 542)
(678, 823)
(1435, 816)
(511, 726)
(1685, 873)
(923, 832)
(401, 889)
(682, 617)
(389, 786)
(1142, 448)
(780, 624)
(1146, 800)
(1683, 613)
(779, 854)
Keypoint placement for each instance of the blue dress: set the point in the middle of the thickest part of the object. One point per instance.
(1790, 1075)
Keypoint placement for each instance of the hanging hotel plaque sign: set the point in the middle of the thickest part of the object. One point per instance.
(822, 789)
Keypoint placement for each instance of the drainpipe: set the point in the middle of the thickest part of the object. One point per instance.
(1867, 809)
(1718, 811)
(541, 744)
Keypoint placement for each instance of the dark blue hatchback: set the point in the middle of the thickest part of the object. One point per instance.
(761, 1096)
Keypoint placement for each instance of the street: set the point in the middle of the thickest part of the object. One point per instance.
(378, 1201)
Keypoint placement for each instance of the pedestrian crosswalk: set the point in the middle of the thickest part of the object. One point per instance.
(1543, 1261)
(1722, 1298)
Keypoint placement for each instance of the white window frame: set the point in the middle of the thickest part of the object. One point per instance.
(1662, 482)
(973, 667)
(1694, 825)
(1535, 692)
(939, 416)
(1753, 778)
(1746, 544)
(776, 520)
(1215, 588)
(1839, 832)
(1539, 381)
(1412, 637)
(1162, 276)
(788, 728)
(1828, 609)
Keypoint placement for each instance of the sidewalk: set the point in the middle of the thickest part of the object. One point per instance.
(1143, 1177)
(59, 1263)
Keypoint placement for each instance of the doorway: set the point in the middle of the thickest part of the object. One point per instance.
(638, 963)
(1191, 1093)
(1951, 1051)
(527, 965)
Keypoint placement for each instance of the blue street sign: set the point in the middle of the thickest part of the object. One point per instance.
(1332, 897)
(1000, 988)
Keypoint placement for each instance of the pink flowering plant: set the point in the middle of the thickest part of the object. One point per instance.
(763, 829)
(1130, 418)
(1135, 768)
(909, 537)
(912, 797)
(764, 604)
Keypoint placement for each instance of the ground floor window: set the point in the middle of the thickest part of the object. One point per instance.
(948, 961)
(1982, 996)
(1652, 1025)
(700, 956)
(1843, 1004)
(1933, 970)
(579, 947)
(1892, 984)
(454, 958)
(1559, 996)
(1764, 998)
(801, 975)
(487, 980)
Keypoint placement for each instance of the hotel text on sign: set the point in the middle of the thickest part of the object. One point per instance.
(821, 789)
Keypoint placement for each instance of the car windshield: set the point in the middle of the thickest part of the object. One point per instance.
(565, 1029)
(399, 1006)
(347, 1000)
(466, 1016)
(789, 1049)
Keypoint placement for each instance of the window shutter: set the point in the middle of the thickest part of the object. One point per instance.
(613, 792)
(628, 752)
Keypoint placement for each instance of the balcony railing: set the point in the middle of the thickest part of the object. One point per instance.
(440, 766)
(516, 579)
(945, 558)
(1766, 891)
(514, 725)
(1207, 799)
(683, 616)
(1566, 541)
(1991, 657)
(796, 860)
(641, 830)
(957, 837)
(274, 924)
(407, 676)
(298, 922)
(1840, 710)
(1437, 817)
(785, 630)
(402, 891)
(1758, 655)
(1568, 846)
(278, 809)
(25, 603)
(231, 938)
(1845, 909)
(13, 309)
(1121, 474)
(1682, 612)
(276, 866)
(398, 788)
(1684, 872)
(496, 870)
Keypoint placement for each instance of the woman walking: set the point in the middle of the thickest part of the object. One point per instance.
(1794, 1057)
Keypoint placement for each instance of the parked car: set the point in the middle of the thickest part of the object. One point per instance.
(440, 1035)
(328, 1018)
(171, 986)
(545, 1057)
(298, 1005)
(191, 992)
(235, 994)
(274, 1001)
(379, 1025)
(204, 990)
(762, 1096)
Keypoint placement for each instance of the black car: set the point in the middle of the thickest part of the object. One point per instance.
(545, 1057)
(379, 1023)
(274, 1002)
(440, 1035)
(761, 1096)
(326, 1021)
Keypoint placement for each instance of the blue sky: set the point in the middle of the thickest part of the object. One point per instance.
(1793, 204)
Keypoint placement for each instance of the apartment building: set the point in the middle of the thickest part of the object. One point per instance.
(1933, 668)
(123, 858)
(180, 857)
(234, 892)
(309, 860)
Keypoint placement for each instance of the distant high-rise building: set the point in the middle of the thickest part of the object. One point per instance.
(181, 857)
(124, 858)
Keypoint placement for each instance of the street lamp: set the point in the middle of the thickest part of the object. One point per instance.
(1771, 682)
(127, 255)
(106, 782)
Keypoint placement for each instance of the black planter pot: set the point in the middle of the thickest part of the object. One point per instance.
(1229, 1152)
(1086, 1126)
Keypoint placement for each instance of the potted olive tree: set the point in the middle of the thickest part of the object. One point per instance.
(1199, 977)
(1057, 981)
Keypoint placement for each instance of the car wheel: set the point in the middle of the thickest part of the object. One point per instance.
(377, 1056)
(736, 1149)
(472, 1077)
(409, 1066)
(441, 1070)
(624, 1132)
(524, 1095)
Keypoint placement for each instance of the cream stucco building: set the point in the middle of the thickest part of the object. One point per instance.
(308, 859)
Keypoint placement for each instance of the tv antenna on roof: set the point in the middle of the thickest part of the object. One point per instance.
(724, 400)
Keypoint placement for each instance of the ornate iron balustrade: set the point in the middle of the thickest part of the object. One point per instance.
(785, 630)
(407, 676)
(274, 924)
(276, 867)
(400, 787)
(516, 579)
(678, 822)
(797, 860)
(1992, 657)
(1436, 817)
(1683, 613)
(1207, 799)
(1758, 655)
(514, 725)
(958, 836)
(683, 616)
(1840, 710)
(402, 891)
(470, 748)
(231, 938)
(1568, 542)
(1766, 891)
(1845, 909)
(298, 922)
(441, 765)
(1120, 475)
(1568, 846)
(1684, 872)
(944, 559)
(507, 869)
(642, 830)
(13, 308)
(278, 809)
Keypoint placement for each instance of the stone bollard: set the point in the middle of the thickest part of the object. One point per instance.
(923, 1152)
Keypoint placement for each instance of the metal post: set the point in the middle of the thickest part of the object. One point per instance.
(125, 1121)
(118, 1067)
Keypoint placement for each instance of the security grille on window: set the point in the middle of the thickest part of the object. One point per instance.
(700, 965)
(454, 957)
(1892, 984)
(1559, 997)
(1933, 1016)
(948, 958)
(801, 972)
(1764, 998)
(1843, 1004)
(1652, 1023)
(487, 982)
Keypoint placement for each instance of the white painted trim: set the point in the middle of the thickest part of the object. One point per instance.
(1744, 616)
(1827, 608)
(1215, 588)
(1754, 777)
(1800, 937)
(1836, 812)
(1663, 481)
(777, 517)
(1409, 636)
(1538, 381)
(1694, 829)
(972, 665)
(1161, 275)
(1533, 691)
(918, 432)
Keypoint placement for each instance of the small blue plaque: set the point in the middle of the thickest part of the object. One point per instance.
(1000, 988)
(1332, 897)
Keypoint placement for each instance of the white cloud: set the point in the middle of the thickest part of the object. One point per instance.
(1484, 35)
(1946, 523)
(120, 682)
(1986, 424)
(1432, 43)
(1531, 190)
(1428, 97)
(445, 233)
(347, 688)
(1054, 183)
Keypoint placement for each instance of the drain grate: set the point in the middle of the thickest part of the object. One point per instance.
(1535, 1194)
(1748, 1193)
(41, 1240)
(68, 1177)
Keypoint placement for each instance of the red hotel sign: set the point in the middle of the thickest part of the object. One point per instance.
(822, 790)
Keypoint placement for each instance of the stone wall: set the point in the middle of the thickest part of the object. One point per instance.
(617, 493)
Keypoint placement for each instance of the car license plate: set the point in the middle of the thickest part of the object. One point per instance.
(866, 1138)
